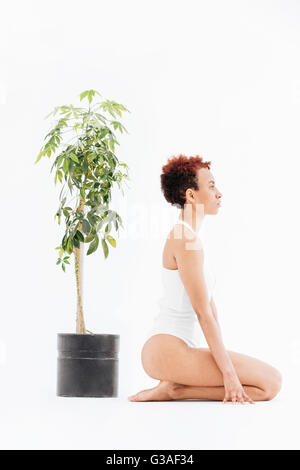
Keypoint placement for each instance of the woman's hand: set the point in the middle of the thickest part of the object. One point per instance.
(234, 390)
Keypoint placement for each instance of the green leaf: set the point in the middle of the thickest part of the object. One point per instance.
(111, 240)
(91, 156)
(63, 267)
(85, 165)
(74, 157)
(59, 160)
(90, 95)
(70, 186)
(66, 165)
(39, 156)
(105, 247)
(83, 94)
(77, 182)
(69, 246)
(76, 242)
(93, 246)
(79, 235)
(86, 227)
(92, 218)
(64, 242)
(58, 261)
(89, 238)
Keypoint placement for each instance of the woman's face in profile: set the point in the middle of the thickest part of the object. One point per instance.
(208, 194)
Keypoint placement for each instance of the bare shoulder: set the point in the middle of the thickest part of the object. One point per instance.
(186, 243)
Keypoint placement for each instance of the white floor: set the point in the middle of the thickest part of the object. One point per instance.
(49, 422)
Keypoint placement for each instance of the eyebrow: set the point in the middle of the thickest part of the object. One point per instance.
(211, 181)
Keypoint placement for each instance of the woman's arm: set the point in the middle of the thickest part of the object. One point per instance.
(214, 309)
(190, 257)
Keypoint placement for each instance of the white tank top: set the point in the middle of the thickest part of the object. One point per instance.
(175, 295)
(176, 315)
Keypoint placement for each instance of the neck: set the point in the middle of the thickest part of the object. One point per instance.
(193, 217)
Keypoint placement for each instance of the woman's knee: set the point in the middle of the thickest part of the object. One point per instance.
(253, 371)
(273, 384)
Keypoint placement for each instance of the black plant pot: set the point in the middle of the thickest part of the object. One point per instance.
(87, 365)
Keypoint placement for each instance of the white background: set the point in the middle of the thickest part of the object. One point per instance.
(220, 79)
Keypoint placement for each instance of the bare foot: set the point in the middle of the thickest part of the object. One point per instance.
(161, 392)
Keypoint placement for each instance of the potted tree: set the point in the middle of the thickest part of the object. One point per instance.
(86, 164)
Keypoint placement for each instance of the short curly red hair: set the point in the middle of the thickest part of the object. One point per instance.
(179, 174)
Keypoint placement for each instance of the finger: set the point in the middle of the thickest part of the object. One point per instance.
(241, 399)
(246, 397)
(249, 399)
(226, 398)
(233, 399)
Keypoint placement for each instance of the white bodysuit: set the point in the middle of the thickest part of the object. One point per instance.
(176, 315)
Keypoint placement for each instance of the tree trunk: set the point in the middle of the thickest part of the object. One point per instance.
(78, 254)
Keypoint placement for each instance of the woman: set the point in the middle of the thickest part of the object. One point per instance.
(170, 354)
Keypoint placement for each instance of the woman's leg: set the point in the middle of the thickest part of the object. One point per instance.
(191, 373)
(171, 391)
(184, 392)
